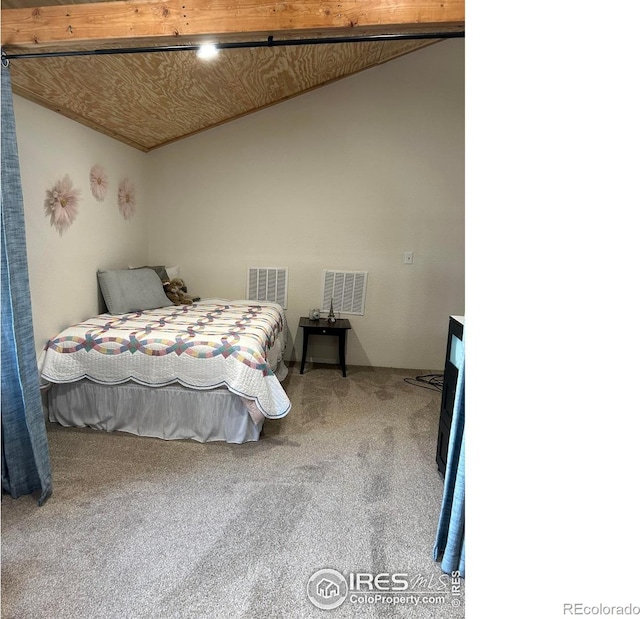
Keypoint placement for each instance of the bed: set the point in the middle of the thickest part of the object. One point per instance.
(208, 371)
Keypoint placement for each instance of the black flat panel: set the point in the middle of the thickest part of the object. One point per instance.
(448, 397)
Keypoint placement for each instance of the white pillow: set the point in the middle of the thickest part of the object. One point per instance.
(160, 270)
(173, 272)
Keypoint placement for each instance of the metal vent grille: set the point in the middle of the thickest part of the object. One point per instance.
(347, 289)
(267, 284)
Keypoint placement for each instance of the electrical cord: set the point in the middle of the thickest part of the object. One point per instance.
(427, 381)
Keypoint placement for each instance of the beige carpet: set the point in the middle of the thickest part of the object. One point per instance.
(140, 527)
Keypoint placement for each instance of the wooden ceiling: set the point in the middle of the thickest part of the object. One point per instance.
(151, 99)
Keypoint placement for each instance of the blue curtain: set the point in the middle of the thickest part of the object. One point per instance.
(450, 547)
(26, 466)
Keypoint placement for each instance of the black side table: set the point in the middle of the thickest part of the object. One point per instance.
(322, 327)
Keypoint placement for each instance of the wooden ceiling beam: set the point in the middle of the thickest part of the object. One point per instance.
(131, 22)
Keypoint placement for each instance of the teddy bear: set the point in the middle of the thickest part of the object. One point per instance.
(176, 291)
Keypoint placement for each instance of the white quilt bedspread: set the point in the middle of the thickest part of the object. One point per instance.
(212, 343)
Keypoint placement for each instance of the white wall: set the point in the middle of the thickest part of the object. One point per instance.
(62, 267)
(349, 176)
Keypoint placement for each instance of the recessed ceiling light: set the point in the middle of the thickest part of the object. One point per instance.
(207, 51)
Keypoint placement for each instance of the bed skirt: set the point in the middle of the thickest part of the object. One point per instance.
(172, 412)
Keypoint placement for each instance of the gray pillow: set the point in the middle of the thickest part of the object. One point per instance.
(132, 290)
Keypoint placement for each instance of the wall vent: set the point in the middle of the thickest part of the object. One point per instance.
(267, 284)
(347, 289)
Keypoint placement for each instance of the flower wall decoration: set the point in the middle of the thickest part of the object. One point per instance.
(61, 204)
(127, 198)
(98, 181)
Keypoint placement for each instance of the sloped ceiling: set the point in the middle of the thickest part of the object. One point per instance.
(148, 100)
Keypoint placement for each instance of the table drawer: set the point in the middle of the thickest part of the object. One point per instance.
(323, 330)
